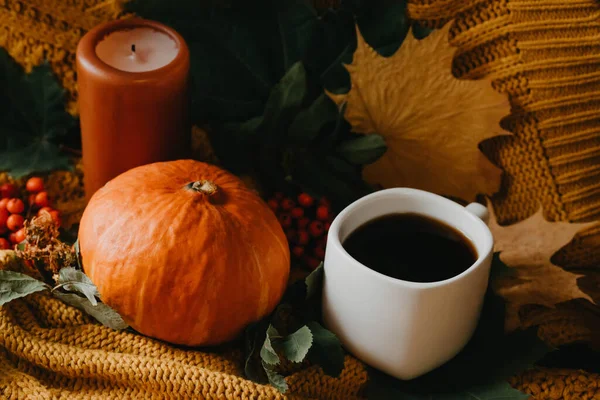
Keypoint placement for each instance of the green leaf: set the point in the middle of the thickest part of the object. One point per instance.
(46, 104)
(295, 346)
(326, 350)
(313, 295)
(329, 176)
(32, 121)
(246, 131)
(308, 122)
(334, 45)
(296, 21)
(336, 78)
(314, 283)
(14, 285)
(285, 100)
(231, 78)
(267, 352)
(275, 379)
(341, 128)
(249, 60)
(101, 312)
(238, 53)
(233, 141)
(73, 280)
(39, 156)
(365, 149)
(254, 336)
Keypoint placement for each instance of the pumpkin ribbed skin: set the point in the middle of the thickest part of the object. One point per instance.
(178, 264)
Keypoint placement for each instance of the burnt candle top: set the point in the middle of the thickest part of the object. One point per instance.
(137, 49)
(133, 51)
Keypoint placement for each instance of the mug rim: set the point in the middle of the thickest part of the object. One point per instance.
(334, 236)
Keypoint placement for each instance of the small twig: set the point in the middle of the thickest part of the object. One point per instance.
(59, 286)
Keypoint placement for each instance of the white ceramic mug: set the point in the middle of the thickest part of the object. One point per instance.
(403, 328)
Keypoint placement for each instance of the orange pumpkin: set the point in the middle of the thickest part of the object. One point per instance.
(184, 252)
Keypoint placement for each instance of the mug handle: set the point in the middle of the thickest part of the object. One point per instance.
(479, 211)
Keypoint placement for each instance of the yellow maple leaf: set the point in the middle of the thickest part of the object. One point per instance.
(528, 247)
(431, 121)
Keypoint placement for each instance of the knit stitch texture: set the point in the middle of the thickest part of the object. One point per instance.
(543, 54)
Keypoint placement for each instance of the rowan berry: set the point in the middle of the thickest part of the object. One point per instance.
(20, 235)
(34, 184)
(14, 222)
(287, 204)
(8, 190)
(316, 228)
(297, 212)
(305, 200)
(311, 262)
(15, 206)
(303, 223)
(323, 213)
(285, 220)
(319, 252)
(298, 251)
(303, 237)
(44, 210)
(324, 201)
(273, 204)
(55, 217)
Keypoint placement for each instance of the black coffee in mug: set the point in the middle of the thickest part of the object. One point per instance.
(411, 247)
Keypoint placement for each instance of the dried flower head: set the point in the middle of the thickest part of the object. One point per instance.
(41, 230)
(42, 249)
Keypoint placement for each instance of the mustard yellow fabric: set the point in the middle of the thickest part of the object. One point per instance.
(543, 54)
(49, 350)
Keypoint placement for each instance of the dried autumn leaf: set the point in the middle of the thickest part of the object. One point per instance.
(431, 121)
(528, 246)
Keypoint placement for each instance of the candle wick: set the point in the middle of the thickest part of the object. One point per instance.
(133, 48)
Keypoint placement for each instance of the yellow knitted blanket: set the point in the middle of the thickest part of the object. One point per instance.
(49, 350)
(543, 54)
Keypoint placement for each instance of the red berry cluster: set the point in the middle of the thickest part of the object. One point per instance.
(14, 211)
(306, 223)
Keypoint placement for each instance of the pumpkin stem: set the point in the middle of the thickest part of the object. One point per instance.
(205, 187)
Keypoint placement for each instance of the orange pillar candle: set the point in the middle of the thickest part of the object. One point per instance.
(133, 78)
